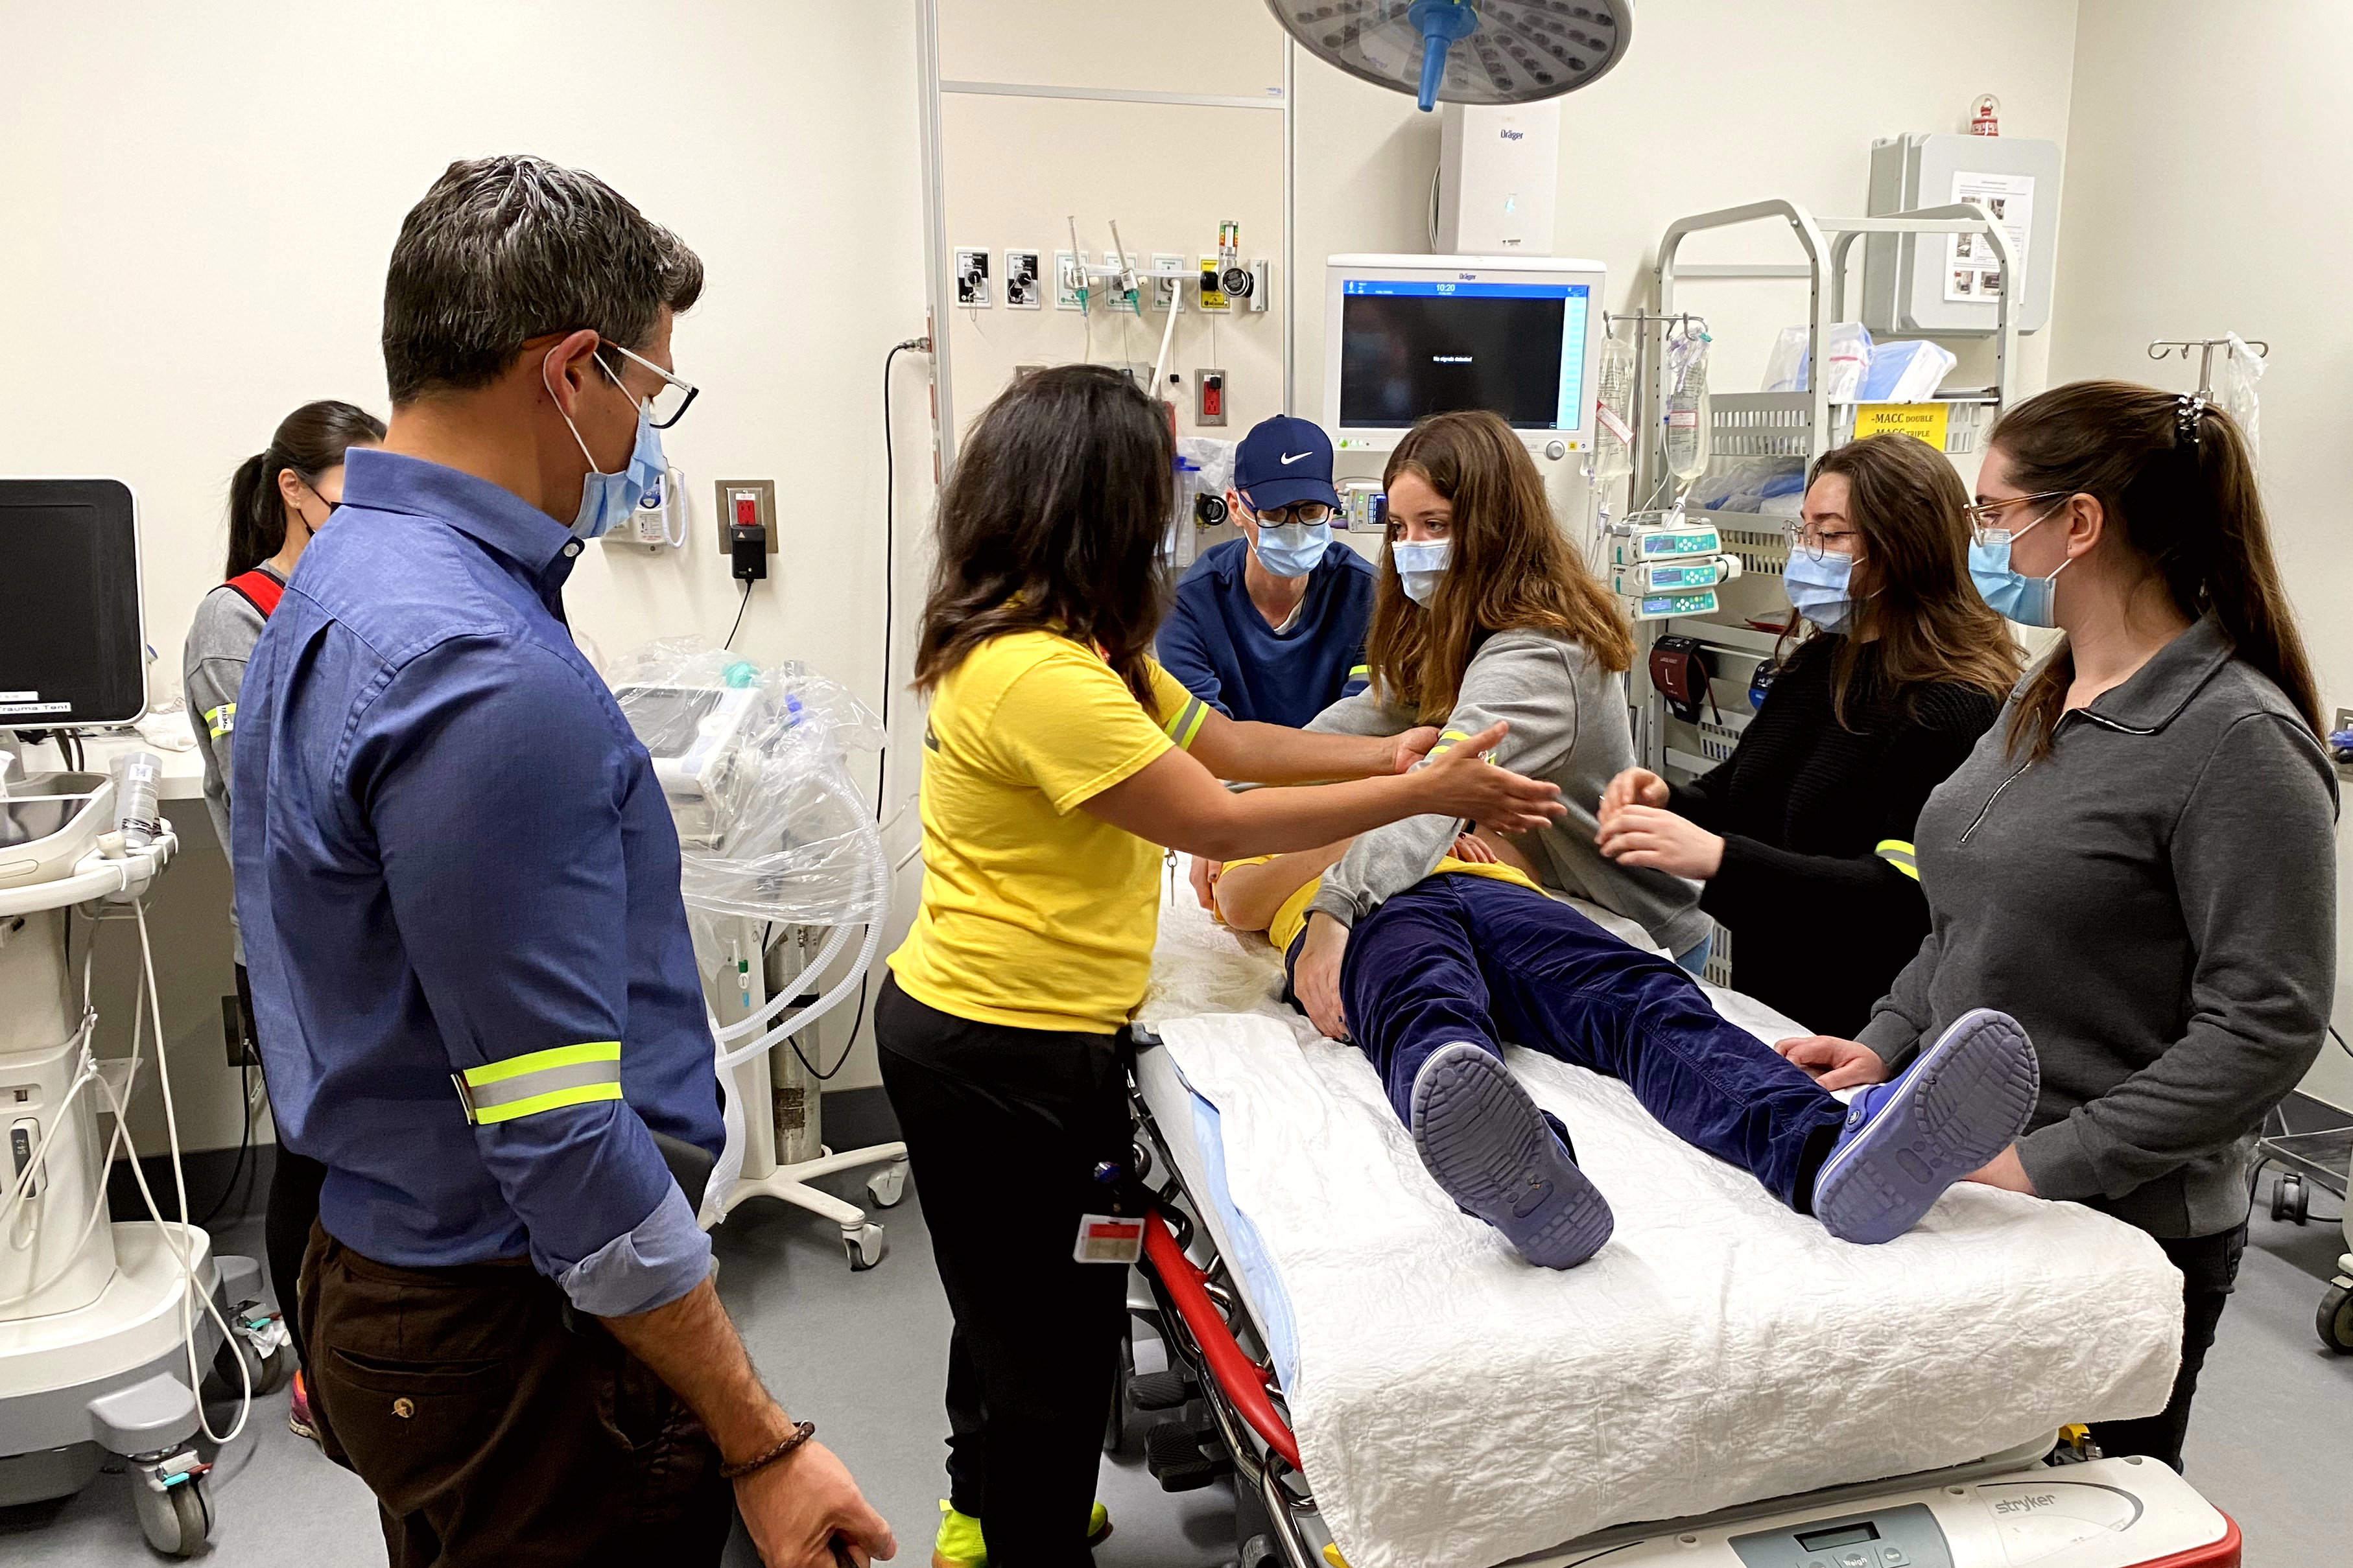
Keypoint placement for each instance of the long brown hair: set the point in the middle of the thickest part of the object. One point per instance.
(2176, 477)
(1924, 621)
(1053, 521)
(1511, 566)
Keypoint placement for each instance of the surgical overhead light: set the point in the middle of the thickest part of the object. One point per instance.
(1464, 52)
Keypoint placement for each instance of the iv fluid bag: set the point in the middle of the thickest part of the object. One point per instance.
(1614, 412)
(1686, 411)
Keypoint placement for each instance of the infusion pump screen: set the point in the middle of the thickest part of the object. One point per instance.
(1411, 348)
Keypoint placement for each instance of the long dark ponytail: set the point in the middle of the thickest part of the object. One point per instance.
(310, 440)
(2177, 475)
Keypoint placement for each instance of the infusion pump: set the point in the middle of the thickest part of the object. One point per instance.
(1668, 568)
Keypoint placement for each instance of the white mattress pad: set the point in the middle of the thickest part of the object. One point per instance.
(1455, 1405)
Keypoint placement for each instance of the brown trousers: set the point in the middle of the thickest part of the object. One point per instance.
(489, 1432)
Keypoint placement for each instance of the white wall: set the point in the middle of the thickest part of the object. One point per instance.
(2204, 200)
(200, 202)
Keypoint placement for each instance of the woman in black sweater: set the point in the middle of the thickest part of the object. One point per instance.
(1803, 835)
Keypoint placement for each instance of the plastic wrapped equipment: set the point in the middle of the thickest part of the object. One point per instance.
(773, 828)
(1848, 351)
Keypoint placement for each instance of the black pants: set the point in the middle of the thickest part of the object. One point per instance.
(2210, 1269)
(1004, 1129)
(492, 1435)
(292, 1207)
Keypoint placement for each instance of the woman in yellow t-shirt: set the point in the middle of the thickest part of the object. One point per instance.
(1059, 761)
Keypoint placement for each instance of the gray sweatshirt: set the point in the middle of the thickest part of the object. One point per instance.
(2155, 900)
(1569, 726)
(220, 639)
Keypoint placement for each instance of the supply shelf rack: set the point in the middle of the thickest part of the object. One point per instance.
(1799, 426)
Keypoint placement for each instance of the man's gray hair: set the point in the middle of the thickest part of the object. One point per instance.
(509, 248)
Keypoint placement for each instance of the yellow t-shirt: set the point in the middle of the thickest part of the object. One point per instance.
(1035, 914)
(1291, 919)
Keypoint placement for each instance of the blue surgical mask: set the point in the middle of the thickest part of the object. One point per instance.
(607, 499)
(2029, 601)
(1420, 566)
(1819, 589)
(1293, 549)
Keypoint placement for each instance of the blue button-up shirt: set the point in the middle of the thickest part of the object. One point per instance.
(452, 852)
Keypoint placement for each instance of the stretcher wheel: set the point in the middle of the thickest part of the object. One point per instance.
(2335, 1320)
(176, 1521)
(864, 1246)
(2290, 1200)
(888, 1186)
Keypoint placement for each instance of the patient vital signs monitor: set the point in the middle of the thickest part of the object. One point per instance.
(1407, 336)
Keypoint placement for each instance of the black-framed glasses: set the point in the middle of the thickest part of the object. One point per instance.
(669, 403)
(1989, 521)
(1819, 542)
(1311, 512)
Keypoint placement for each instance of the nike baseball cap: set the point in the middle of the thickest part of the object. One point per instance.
(1283, 462)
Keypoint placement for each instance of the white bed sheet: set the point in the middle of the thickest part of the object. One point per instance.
(1456, 1406)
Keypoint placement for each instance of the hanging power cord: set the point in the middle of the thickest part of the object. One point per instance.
(741, 606)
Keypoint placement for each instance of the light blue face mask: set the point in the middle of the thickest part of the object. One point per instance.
(1818, 590)
(2029, 601)
(1293, 549)
(607, 499)
(1420, 566)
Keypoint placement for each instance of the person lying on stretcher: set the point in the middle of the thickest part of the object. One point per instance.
(1475, 953)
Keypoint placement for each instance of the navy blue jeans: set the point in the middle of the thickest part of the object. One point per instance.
(1470, 958)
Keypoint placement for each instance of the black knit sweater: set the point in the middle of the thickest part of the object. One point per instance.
(1820, 921)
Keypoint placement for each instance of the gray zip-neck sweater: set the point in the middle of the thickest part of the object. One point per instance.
(1569, 726)
(2155, 900)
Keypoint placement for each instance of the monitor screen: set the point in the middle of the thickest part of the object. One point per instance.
(71, 648)
(1411, 347)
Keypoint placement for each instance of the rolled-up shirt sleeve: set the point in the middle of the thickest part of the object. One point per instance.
(492, 778)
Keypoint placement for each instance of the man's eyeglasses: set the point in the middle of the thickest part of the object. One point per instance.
(1992, 521)
(669, 403)
(1310, 512)
(1818, 543)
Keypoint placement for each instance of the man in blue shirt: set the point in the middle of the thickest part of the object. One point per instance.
(459, 889)
(1270, 627)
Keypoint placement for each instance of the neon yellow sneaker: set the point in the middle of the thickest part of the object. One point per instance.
(959, 1545)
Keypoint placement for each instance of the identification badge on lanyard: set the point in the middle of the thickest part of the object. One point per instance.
(1109, 1239)
(1113, 1238)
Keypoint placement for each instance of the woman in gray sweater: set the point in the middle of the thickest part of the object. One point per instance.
(1484, 613)
(2138, 861)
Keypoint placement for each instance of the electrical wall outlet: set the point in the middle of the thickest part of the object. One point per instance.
(972, 276)
(734, 496)
(1208, 397)
(1069, 287)
(1023, 286)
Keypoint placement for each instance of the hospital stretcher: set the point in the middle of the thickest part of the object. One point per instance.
(1218, 1293)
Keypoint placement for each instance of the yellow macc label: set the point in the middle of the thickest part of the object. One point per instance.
(1925, 420)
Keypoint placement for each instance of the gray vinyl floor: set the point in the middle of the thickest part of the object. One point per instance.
(864, 1355)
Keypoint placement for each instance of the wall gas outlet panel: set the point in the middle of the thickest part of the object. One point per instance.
(1024, 287)
(746, 501)
(1110, 285)
(1069, 287)
(1167, 277)
(1213, 293)
(972, 277)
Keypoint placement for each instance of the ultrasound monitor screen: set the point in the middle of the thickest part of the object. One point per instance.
(1412, 348)
(71, 651)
